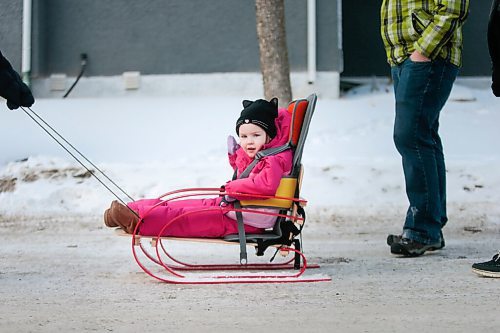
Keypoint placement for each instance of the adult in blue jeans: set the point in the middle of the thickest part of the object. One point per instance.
(423, 43)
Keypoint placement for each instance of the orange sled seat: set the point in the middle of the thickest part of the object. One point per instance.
(287, 198)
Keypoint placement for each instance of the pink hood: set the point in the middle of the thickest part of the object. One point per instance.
(266, 175)
(240, 160)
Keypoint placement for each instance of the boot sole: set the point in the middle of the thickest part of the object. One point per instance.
(397, 248)
(107, 220)
(486, 273)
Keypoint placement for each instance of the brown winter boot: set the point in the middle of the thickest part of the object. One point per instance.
(122, 216)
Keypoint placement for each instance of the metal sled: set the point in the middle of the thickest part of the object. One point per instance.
(284, 237)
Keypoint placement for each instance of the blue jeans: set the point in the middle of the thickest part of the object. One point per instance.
(421, 90)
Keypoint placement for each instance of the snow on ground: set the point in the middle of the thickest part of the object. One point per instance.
(57, 254)
(150, 146)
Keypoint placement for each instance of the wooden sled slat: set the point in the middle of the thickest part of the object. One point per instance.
(122, 233)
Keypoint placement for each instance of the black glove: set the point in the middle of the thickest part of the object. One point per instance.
(12, 88)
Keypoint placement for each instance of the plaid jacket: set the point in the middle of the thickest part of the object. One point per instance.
(432, 27)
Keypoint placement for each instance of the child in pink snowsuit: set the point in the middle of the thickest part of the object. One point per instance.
(260, 126)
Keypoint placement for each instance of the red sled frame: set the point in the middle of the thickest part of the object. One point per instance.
(174, 266)
(301, 111)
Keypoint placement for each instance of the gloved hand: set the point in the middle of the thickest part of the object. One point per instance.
(12, 88)
(17, 93)
(232, 145)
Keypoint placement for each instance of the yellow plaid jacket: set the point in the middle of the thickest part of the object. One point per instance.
(432, 27)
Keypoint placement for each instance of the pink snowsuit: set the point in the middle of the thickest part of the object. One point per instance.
(215, 222)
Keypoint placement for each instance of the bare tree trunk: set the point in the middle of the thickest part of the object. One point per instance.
(274, 65)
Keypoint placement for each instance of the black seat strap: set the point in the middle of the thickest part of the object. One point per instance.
(239, 216)
(260, 155)
(241, 234)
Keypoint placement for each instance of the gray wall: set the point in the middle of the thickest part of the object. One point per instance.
(11, 13)
(364, 53)
(187, 36)
(166, 37)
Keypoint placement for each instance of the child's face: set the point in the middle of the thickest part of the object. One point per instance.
(252, 138)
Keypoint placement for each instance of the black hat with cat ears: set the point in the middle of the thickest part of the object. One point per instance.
(261, 113)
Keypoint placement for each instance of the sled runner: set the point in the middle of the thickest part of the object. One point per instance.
(284, 237)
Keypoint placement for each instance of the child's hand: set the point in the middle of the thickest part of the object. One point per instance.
(232, 145)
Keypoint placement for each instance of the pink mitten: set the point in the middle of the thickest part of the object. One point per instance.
(232, 145)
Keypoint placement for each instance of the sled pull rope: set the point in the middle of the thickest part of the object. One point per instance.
(73, 155)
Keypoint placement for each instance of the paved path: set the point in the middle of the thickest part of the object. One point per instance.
(70, 274)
